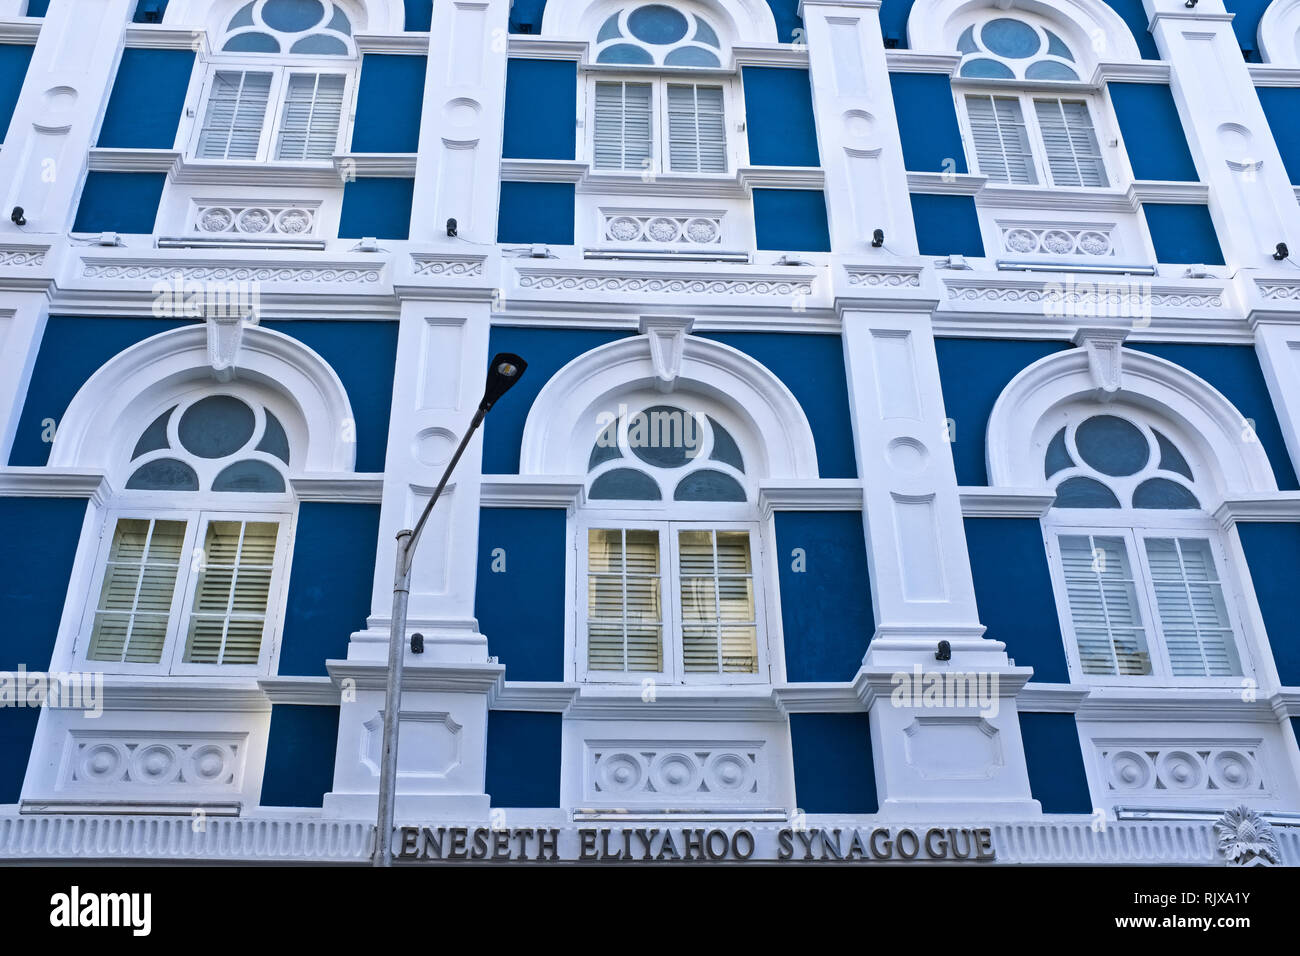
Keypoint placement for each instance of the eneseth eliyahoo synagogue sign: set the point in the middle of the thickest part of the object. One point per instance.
(693, 844)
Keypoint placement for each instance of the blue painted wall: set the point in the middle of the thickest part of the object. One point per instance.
(833, 768)
(1057, 779)
(893, 21)
(149, 11)
(541, 98)
(779, 117)
(389, 99)
(72, 349)
(1273, 554)
(927, 123)
(329, 584)
(973, 373)
(546, 351)
(144, 109)
(37, 547)
(17, 731)
(1234, 370)
(1152, 131)
(300, 755)
(1182, 233)
(119, 202)
(1245, 23)
(37, 8)
(1282, 106)
(521, 608)
(826, 612)
(1134, 14)
(14, 60)
(791, 219)
(536, 212)
(946, 225)
(523, 758)
(376, 207)
(1013, 589)
(812, 367)
(419, 15)
(786, 15)
(363, 355)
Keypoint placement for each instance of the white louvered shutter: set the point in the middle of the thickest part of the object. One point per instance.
(1193, 616)
(624, 601)
(228, 616)
(1104, 608)
(309, 122)
(135, 600)
(697, 133)
(1001, 139)
(236, 114)
(719, 632)
(623, 134)
(1073, 153)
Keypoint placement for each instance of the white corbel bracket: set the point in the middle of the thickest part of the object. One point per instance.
(667, 335)
(225, 335)
(1105, 348)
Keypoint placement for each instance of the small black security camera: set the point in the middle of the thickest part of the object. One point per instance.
(1281, 253)
(451, 228)
(417, 643)
(16, 217)
(944, 652)
(877, 239)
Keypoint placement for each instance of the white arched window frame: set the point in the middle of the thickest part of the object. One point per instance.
(184, 568)
(1029, 112)
(700, 610)
(1279, 33)
(262, 102)
(1142, 591)
(661, 108)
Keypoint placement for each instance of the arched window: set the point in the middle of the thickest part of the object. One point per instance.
(646, 109)
(279, 79)
(1138, 563)
(193, 557)
(1018, 137)
(669, 545)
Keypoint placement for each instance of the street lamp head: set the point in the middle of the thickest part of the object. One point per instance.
(505, 370)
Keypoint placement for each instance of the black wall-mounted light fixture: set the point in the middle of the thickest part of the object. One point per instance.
(1189, 4)
(877, 239)
(451, 228)
(417, 643)
(1281, 253)
(944, 652)
(17, 217)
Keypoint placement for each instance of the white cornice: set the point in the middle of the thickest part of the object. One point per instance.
(546, 48)
(1005, 502)
(1039, 198)
(300, 690)
(359, 488)
(23, 31)
(1279, 506)
(1132, 71)
(1182, 704)
(113, 160)
(375, 165)
(456, 677)
(543, 170)
(782, 177)
(44, 482)
(221, 173)
(769, 54)
(625, 702)
(1266, 74)
(416, 42)
(916, 61)
(184, 694)
(531, 491)
(533, 696)
(1051, 698)
(814, 698)
(826, 494)
(949, 184)
(155, 36)
(1156, 191)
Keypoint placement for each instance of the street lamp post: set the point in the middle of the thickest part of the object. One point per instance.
(505, 370)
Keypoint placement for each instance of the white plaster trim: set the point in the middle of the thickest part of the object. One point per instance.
(358, 488)
(24, 31)
(547, 48)
(88, 435)
(527, 491)
(596, 378)
(184, 695)
(1268, 74)
(768, 54)
(979, 502)
(1278, 28)
(1204, 416)
(46, 482)
(1278, 506)
(158, 36)
(471, 678)
(947, 184)
(929, 24)
(921, 61)
(537, 696)
(782, 177)
(1051, 698)
(827, 494)
(300, 690)
(375, 165)
(417, 41)
(674, 702)
(1141, 71)
(124, 160)
(1182, 704)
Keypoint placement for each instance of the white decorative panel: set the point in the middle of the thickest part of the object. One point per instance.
(953, 748)
(675, 774)
(895, 368)
(919, 557)
(430, 744)
(1183, 768)
(254, 219)
(440, 346)
(1040, 239)
(661, 229)
(160, 759)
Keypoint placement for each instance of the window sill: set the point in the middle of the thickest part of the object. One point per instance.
(255, 173)
(734, 185)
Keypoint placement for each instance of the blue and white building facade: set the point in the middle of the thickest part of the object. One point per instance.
(905, 467)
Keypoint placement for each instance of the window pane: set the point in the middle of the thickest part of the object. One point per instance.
(719, 634)
(309, 122)
(1193, 615)
(232, 125)
(697, 135)
(228, 616)
(1073, 153)
(135, 598)
(1001, 139)
(1102, 596)
(623, 137)
(624, 601)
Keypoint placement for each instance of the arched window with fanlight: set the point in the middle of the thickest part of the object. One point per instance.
(669, 547)
(192, 559)
(1137, 561)
(658, 98)
(1030, 119)
(281, 74)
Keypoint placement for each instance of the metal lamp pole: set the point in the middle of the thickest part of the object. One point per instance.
(505, 370)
